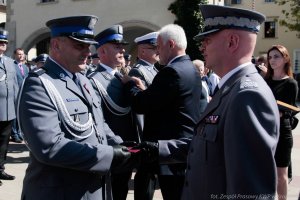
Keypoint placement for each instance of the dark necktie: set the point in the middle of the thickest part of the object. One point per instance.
(216, 90)
(76, 81)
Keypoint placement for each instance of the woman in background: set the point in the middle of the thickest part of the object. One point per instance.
(279, 77)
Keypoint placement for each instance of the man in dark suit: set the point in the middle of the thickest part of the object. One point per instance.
(171, 107)
(8, 94)
(232, 152)
(110, 90)
(62, 122)
(22, 71)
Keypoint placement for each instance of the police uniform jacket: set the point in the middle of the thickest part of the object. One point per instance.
(232, 152)
(122, 125)
(64, 166)
(143, 71)
(171, 106)
(8, 89)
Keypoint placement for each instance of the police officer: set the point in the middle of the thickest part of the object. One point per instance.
(8, 94)
(144, 180)
(109, 89)
(62, 121)
(147, 57)
(232, 152)
(41, 59)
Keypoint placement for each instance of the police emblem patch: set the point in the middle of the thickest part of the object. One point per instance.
(72, 99)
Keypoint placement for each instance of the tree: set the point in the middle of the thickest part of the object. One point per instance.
(291, 18)
(189, 17)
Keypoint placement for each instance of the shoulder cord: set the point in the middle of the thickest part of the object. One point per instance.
(107, 100)
(63, 112)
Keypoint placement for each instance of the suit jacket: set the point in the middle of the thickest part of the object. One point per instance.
(63, 166)
(21, 77)
(143, 71)
(8, 89)
(170, 105)
(122, 125)
(233, 150)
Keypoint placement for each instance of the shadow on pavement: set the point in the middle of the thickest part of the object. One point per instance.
(14, 148)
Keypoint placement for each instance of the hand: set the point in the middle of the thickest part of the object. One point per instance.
(149, 151)
(123, 160)
(136, 80)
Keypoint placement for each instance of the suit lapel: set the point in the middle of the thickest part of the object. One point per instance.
(86, 90)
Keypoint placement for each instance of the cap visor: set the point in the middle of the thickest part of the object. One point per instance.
(85, 40)
(200, 36)
(3, 40)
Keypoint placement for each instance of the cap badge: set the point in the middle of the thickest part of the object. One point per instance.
(92, 23)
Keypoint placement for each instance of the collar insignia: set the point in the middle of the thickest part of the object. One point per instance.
(212, 119)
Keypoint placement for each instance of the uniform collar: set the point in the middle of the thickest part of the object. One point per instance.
(109, 70)
(149, 64)
(230, 73)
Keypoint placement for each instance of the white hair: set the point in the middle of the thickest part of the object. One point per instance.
(173, 32)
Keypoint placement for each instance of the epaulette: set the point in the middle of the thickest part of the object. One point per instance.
(38, 71)
(136, 66)
(248, 84)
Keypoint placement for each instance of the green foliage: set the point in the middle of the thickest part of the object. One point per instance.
(291, 18)
(190, 18)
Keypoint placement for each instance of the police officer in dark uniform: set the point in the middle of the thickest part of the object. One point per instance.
(145, 180)
(40, 60)
(8, 94)
(116, 109)
(63, 125)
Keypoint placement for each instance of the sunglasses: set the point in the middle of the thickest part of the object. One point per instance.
(3, 42)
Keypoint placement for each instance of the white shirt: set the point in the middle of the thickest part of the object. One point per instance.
(109, 70)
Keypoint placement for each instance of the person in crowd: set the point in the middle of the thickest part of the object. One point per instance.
(123, 69)
(62, 122)
(213, 80)
(127, 58)
(40, 60)
(232, 151)
(279, 77)
(92, 63)
(22, 72)
(171, 109)
(110, 90)
(148, 55)
(261, 64)
(8, 93)
(144, 69)
(205, 92)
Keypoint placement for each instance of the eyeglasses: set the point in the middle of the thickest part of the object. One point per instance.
(3, 42)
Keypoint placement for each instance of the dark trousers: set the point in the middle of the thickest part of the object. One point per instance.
(5, 130)
(171, 186)
(144, 184)
(119, 184)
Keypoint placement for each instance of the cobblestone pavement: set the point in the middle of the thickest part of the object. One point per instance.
(18, 159)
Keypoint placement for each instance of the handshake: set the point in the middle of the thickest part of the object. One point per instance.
(129, 155)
